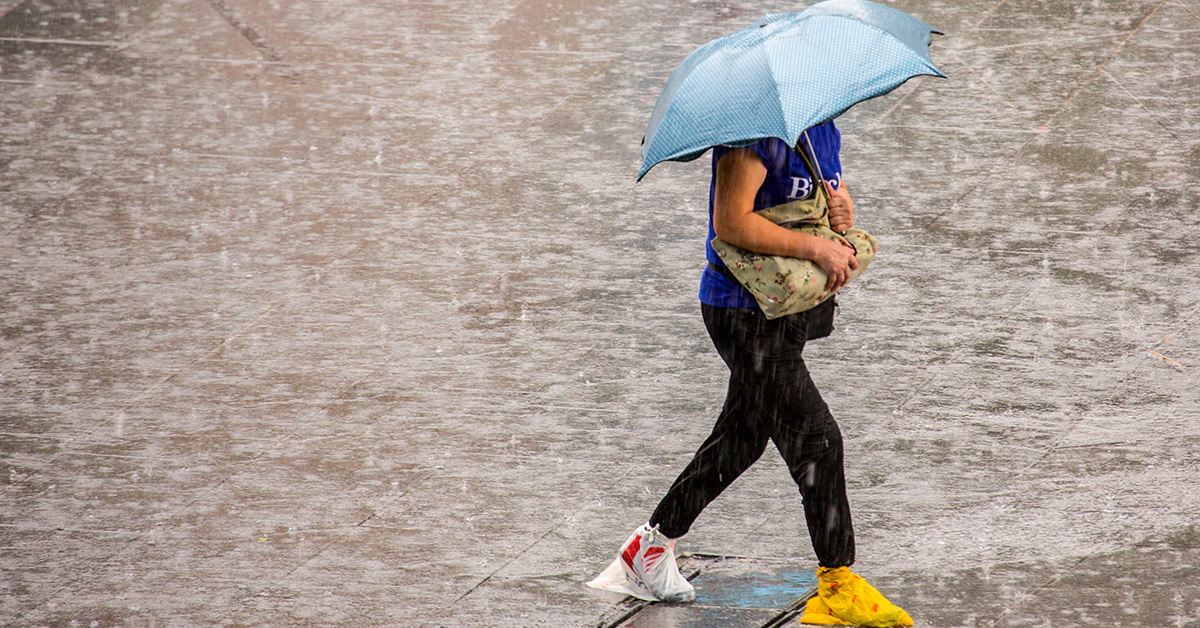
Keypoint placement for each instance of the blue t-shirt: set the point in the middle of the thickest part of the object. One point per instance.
(787, 180)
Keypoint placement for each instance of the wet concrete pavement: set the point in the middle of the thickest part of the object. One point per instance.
(349, 313)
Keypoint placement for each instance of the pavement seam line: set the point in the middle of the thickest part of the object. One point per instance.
(899, 101)
(1130, 370)
(208, 354)
(978, 76)
(21, 347)
(552, 111)
(1045, 126)
(200, 494)
(304, 562)
(1187, 8)
(400, 358)
(962, 347)
(1144, 107)
(501, 567)
(638, 605)
(369, 238)
(326, 22)
(14, 8)
(258, 41)
(1016, 153)
(791, 610)
(120, 415)
(1092, 76)
(987, 16)
(96, 178)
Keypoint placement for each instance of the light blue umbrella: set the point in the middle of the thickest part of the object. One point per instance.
(784, 74)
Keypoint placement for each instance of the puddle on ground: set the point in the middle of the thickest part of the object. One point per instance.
(733, 592)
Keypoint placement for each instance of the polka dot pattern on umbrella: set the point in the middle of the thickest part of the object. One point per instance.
(783, 74)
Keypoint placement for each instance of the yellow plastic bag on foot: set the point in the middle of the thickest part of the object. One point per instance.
(817, 612)
(844, 598)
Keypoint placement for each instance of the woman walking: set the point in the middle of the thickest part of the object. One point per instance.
(771, 396)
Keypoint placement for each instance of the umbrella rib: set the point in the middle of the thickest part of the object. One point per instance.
(756, 84)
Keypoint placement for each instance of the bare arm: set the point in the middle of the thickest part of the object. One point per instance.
(739, 175)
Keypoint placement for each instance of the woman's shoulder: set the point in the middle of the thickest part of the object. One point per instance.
(773, 152)
(826, 135)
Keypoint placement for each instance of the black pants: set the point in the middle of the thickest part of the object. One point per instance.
(771, 397)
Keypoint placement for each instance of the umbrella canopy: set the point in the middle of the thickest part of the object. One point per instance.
(784, 74)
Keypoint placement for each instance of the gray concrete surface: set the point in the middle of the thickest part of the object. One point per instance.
(349, 313)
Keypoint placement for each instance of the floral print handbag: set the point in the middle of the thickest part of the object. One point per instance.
(786, 285)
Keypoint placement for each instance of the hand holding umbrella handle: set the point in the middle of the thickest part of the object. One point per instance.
(841, 208)
(839, 204)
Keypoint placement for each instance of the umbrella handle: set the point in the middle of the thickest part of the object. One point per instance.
(813, 152)
(816, 166)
